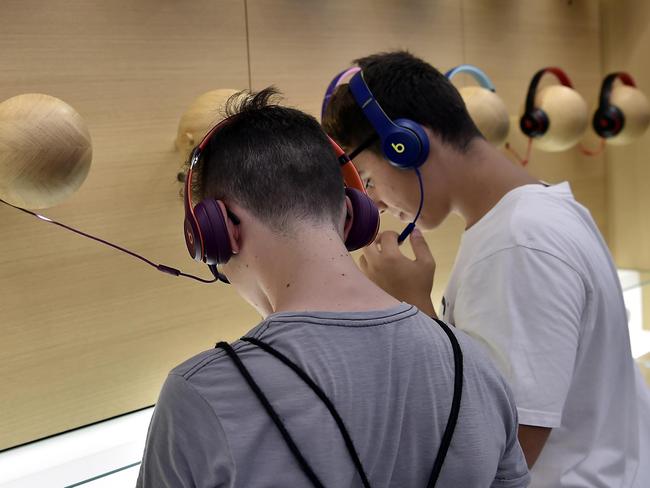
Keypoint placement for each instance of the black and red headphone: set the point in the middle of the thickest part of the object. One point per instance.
(609, 120)
(206, 233)
(534, 122)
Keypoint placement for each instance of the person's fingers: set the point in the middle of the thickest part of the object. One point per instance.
(420, 247)
(389, 244)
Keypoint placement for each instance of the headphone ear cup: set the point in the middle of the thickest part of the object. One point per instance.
(418, 141)
(192, 239)
(212, 222)
(365, 220)
(535, 123)
(608, 121)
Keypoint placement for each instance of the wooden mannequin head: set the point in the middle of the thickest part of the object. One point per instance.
(45, 150)
(488, 112)
(636, 111)
(567, 115)
(204, 112)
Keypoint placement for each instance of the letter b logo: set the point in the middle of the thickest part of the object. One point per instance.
(398, 148)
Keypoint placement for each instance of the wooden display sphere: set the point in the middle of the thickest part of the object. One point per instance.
(488, 112)
(636, 110)
(45, 150)
(204, 112)
(567, 115)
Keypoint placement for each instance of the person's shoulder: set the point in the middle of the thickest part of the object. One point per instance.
(549, 219)
(213, 359)
(540, 208)
(209, 361)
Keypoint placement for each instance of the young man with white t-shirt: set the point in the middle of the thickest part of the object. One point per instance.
(533, 280)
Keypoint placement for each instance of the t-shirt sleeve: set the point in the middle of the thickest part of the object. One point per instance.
(526, 306)
(512, 471)
(186, 445)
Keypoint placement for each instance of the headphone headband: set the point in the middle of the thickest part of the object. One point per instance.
(532, 89)
(404, 142)
(337, 81)
(369, 105)
(608, 85)
(205, 233)
(478, 74)
(194, 158)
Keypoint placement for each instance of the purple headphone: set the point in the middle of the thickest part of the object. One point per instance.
(206, 233)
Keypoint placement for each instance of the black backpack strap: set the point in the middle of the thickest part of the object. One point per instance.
(455, 405)
(324, 398)
(309, 472)
(302, 462)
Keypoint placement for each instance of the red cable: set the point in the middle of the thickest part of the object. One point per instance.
(593, 152)
(523, 161)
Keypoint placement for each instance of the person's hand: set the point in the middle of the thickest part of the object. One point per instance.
(408, 280)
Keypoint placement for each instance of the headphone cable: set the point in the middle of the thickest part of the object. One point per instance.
(525, 160)
(409, 228)
(593, 152)
(160, 267)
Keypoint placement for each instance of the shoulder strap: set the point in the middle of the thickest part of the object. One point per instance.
(455, 405)
(304, 465)
(324, 398)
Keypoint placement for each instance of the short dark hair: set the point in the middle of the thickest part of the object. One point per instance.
(275, 161)
(405, 87)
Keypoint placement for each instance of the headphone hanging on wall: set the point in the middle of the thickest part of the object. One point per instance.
(403, 142)
(206, 232)
(478, 74)
(534, 122)
(485, 107)
(609, 120)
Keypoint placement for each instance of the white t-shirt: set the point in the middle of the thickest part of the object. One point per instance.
(534, 282)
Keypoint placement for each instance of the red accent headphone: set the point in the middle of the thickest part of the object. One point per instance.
(206, 233)
(534, 122)
(609, 120)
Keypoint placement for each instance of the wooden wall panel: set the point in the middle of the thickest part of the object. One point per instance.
(300, 46)
(626, 47)
(88, 333)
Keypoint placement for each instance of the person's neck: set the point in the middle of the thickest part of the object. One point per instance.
(483, 176)
(313, 271)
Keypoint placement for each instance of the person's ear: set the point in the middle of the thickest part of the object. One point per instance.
(232, 226)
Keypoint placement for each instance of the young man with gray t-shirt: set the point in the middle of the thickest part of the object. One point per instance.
(340, 385)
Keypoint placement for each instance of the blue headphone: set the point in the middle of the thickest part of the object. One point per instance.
(476, 72)
(404, 142)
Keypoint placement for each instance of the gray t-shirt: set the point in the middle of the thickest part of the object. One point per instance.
(390, 374)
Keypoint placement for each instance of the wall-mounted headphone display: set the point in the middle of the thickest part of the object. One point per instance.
(623, 111)
(555, 117)
(487, 109)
